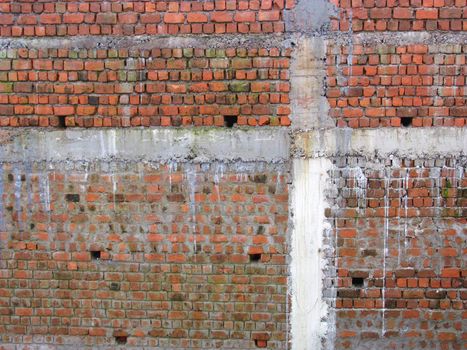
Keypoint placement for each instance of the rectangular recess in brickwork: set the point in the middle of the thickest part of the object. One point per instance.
(398, 233)
(163, 248)
(71, 18)
(371, 86)
(404, 15)
(168, 87)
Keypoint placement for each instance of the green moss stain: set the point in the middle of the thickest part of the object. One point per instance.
(239, 86)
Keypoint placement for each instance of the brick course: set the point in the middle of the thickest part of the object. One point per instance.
(178, 256)
(158, 87)
(71, 18)
(399, 229)
(159, 278)
(380, 85)
(405, 15)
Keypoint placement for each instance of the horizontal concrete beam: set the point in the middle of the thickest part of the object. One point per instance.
(149, 42)
(286, 40)
(406, 38)
(402, 142)
(198, 145)
(156, 144)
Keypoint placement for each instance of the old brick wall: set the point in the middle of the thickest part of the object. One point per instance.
(399, 235)
(173, 256)
(70, 18)
(137, 87)
(192, 250)
(406, 85)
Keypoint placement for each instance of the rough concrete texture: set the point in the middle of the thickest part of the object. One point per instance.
(307, 79)
(381, 143)
(148, 42)
(309, 320)
(404, 38)
(155, 145)
(310, 16)
(192, 227)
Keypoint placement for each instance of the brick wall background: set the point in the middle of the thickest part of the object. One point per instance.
(136, 87)
(403, 15)
(399, 231)
(69, 18)
(174, 256)
(104, 253)
(417, 85)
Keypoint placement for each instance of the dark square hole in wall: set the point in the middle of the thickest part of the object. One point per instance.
(72, 197)
(95, 254)
(357, 281)
(114, 286)
(255, 257)
(406, 121)
(230, 120)
(121, 339)
(61, 122)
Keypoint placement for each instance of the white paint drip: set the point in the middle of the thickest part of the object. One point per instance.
(18, 209)
(29, 191)
(218, 174)
(400, 185)
(190, 175)
(436, 174)
(308, 203)
(44, 195)
(173, 166)
(361, 183)
(385, 251)
(2, 189)
(460, 176)
(406, 200)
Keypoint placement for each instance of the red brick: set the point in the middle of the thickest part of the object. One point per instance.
(50, 18)
(6, 19)
(63, 110)
(73, 18)
(426, 14)
(268, 15)
(106, 18)
(221, 17)
(197, 18)
(174, 18)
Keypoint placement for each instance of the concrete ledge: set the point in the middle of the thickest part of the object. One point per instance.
(402, 142)
(407, 38)
(148, 42)
(158, 144)
(285, 40)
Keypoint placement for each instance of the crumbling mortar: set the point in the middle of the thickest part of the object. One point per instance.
(286, 40)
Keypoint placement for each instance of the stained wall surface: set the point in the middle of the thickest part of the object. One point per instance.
(234, 174)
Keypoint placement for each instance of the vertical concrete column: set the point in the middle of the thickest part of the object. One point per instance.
(310, 107)
(309, 310)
